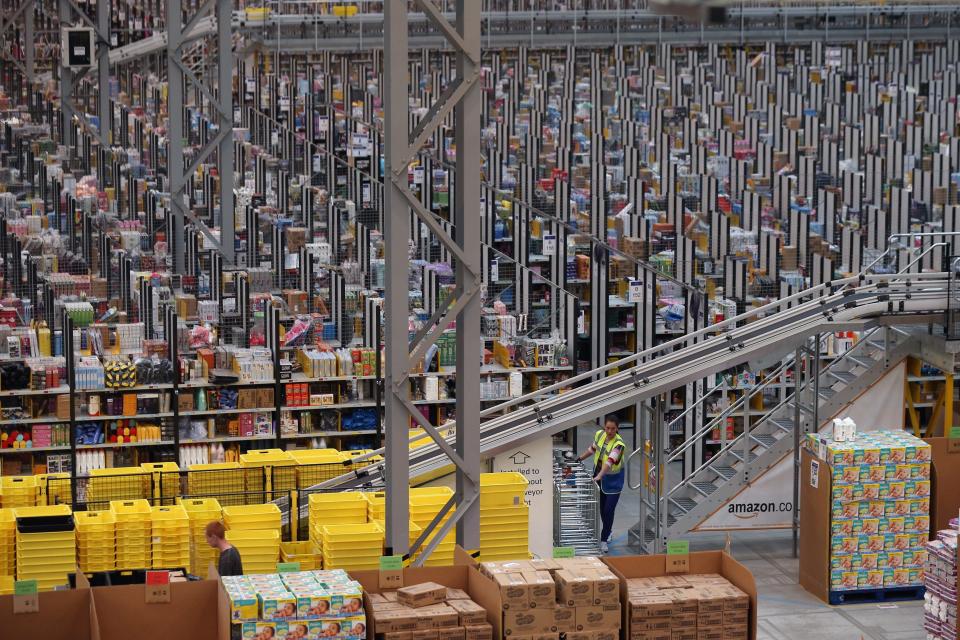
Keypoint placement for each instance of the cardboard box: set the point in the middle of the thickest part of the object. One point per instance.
(396, 620)
(542, 590)
(528, 622)
(437, 616)
(574, 589)
(451, 633)
(599, 617)
(606, 587)
(478, 632)
(514, 591)
(652, 635)
(606, 634)
(422, 595)
(399, 635)
(470, 613)
(456, 594)
(424, 634)
(701, 562)
(945, 476)
(565, 618)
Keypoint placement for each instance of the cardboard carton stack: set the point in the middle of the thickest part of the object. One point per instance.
(428, 611)
(577, 597)
(307, 604)
(687, 607)
(880, 508)
(940, 580)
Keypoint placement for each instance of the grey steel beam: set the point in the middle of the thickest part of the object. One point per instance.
(175, 129)
(467, 223)
(225, 168)
(29, 49)
(104, 104)
(65, 11)
(396, 304)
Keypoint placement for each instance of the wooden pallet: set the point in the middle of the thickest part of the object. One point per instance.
(893, 594)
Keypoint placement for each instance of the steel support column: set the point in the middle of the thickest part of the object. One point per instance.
(221, 105)
(462, 97)
(29, 50)
(103, 80)
(66, 82)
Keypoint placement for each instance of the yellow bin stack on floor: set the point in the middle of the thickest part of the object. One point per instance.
(46, 556)
(425, 504)
(259, 549)
(163, 481)
(221, 479)
(347, 507)
(133, 533)
(96, 540)
(317, 465)
(171, 537)
(255, 531)
(117, 484)
(268, 470)
(504, 517)
(353, 547)
(18, 491)
(8, 543)
(301, 552)
(201, 511)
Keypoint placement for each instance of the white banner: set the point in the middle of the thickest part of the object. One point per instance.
(535, 461)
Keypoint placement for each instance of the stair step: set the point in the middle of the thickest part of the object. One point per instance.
(843, 376)
(876, 344)
(739, 455)
(725, 472)
(826, 392)
(786, 424)
(866, 363)
(803, 407)
(685, 504)
(706, 488)
(764, 439)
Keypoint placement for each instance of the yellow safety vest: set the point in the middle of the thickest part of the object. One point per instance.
(603, 451)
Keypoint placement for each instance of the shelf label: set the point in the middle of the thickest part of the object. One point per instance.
(391, 563)
(288, 567)
(157, 587)
(25, 588)
(494, 270)
(678, 547)
(678, 556)
(549, 245)
(564, 552)
(635, 293)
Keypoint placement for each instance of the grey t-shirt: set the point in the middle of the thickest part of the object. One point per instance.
(230, 564)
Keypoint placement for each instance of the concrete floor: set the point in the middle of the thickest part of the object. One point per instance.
(787, 611)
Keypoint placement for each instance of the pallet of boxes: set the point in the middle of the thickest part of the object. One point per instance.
(427, 611)
(573, 598)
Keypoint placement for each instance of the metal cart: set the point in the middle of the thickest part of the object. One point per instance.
(576, 506)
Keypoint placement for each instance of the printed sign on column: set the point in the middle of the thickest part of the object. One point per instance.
(534, 460)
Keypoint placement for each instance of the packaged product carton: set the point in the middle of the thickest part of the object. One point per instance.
(514, 591)
(573, 588)
(528, 622)
(599, 617)
(541, 588)
(422, 595)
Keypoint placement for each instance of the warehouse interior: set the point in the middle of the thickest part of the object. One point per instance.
(425, 302)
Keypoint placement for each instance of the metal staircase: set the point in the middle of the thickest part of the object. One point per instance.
(819, 394)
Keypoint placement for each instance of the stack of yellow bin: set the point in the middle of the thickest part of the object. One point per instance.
(425, 504)
(268, 473)
(366, 462)
(347, 507)
(171, 537)
(163, 481)
(133, 533)
(302, 553)
(96, 540)
(221, 479)
(18, 491)
(352, 546)
(116, 484)
(252, 516)
(46, 545)
(8, 542)
(317, 465)
(259, 549)
(201, 512)
(504, 517)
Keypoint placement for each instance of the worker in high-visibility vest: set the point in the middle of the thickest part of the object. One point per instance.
(608, 450)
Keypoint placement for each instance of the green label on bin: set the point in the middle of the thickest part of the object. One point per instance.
(954, 432)
(564, 552)
(391, 563)
(25, 588)
(678, 547)
(288, 567)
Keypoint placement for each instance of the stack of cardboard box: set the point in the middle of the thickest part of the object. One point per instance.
(687, 607)
(576, 598)
(428, 611)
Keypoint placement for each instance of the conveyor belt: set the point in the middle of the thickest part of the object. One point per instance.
(842, 303)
